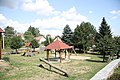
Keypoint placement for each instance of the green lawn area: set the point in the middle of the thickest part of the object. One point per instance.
(26, 68)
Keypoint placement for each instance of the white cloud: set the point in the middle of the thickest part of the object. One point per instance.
(19, 27)
(2, 18)
(90, 12)
(53, 25)
(57, 23)
(39, 6)
(115, 14)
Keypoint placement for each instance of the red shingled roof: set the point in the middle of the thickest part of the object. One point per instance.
(1, 30)
(27, 44)
(58, 45)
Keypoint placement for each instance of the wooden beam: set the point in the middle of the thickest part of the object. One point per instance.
(68, 54)
(48, 55)
(51, 65)
(74, 51)
(55, 53)
(60, 57)
(65, 54)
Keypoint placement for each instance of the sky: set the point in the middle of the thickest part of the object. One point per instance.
(51, 16)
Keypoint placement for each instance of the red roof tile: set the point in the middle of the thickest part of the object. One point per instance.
(1, 31)
(58, 45)
(27, 44)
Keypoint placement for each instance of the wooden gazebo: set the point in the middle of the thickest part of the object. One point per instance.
(57, 45)
(1, 31)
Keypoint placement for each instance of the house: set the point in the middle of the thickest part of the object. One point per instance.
(40, 39)
(21, 35)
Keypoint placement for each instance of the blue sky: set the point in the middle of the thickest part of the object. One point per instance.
(51, 16)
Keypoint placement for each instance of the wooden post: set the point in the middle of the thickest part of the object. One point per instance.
(68, 54)
(65, 54)
(55, 53)
(60, 57)
(0, 44)
(48, 55)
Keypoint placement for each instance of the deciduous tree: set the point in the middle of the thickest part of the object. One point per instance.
(84, 35)
(16, 43)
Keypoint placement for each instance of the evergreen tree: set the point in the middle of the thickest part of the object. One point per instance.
(67, 35)
(35, 31)
(104, 38)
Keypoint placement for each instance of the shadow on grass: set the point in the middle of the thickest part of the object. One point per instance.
(95, 60)
(94, 53)
(53, 71)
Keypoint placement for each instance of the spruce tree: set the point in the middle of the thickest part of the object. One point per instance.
(104, 38)
(67, 35)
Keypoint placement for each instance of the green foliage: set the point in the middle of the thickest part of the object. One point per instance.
(84, 34)
(116, 42)
(48, 40)
(104, 41)
(67, 35)
(35, 31)
(34, 43)
(16, 42)
(28, 36)
(9, 33)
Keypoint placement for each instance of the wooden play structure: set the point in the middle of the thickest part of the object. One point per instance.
(1, 31)
(55, 67)
(59, 46)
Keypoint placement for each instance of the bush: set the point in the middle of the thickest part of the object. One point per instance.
(7, 59)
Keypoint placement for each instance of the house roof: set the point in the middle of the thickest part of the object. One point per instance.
(27, 44)
(1, 31)
(38, 38)
(58, 44)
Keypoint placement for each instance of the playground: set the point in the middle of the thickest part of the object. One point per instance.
(28, 68)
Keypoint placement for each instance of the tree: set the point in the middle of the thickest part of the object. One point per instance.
(104, 38)
(117, 45)
(28, 36)
(84, 35)
(67, 35)
(9, 33)
(48, 40)
(35, 31)
(16, 43)
(34, 44)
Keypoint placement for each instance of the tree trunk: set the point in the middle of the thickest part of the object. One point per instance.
(104, 53)
(84, 50)
(33, 49)
(117, 54)
(16, 51)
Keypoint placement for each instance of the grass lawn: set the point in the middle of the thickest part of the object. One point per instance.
(26, 68)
